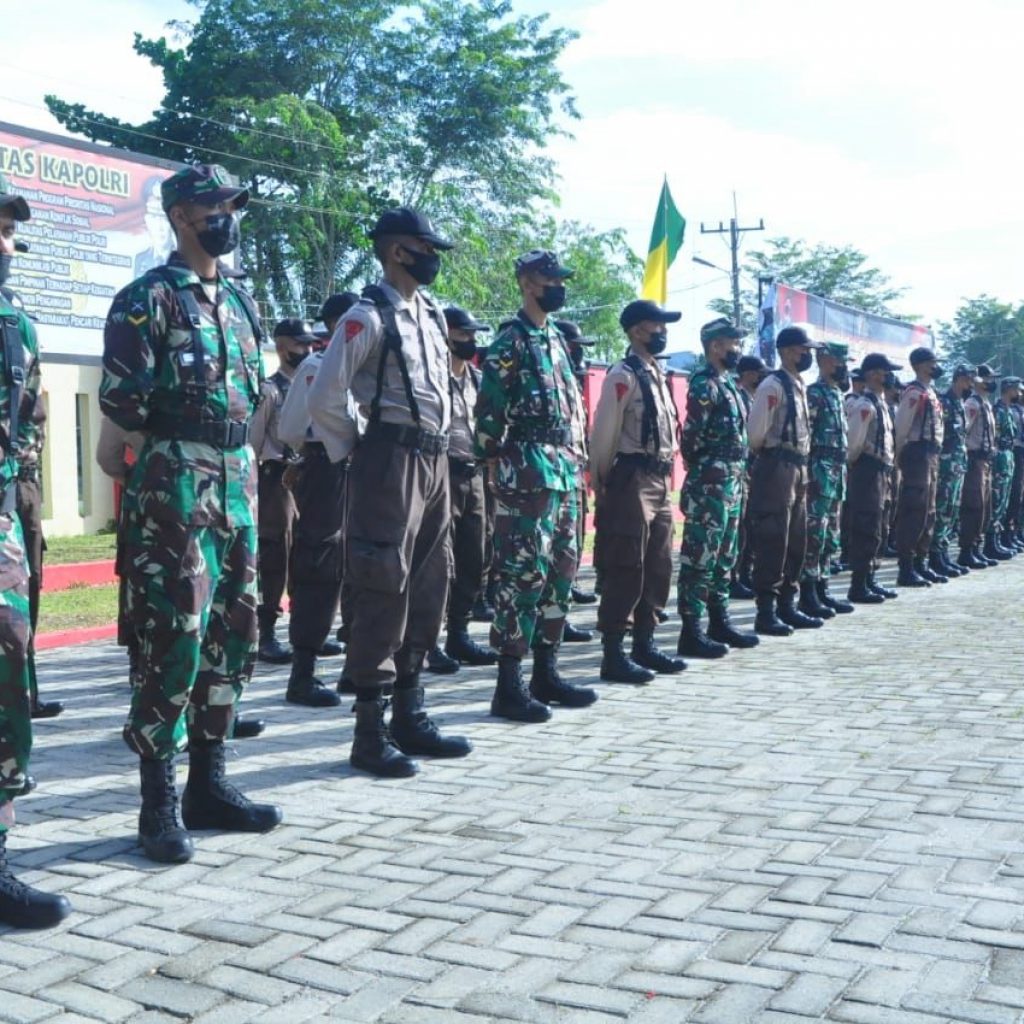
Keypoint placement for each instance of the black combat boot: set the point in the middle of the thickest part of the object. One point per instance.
(938, 563)
(549, 687)
(926, 572)
(41, 708)
(837, 604)
(617, 666)
(583, 596)
(459, 646)
(303, 685)
(572, 635)
(345, 686)
(646, 655)
(247, 728)
(211, 802)
(161, 833)
(372, 748)
(413, 732)
(440, 663)
(270, 649)
(721, 628)
(908, 576)
(24, 907)
(331, 649)
(886, 592)
(511, 698)
(767, 622)
(1011, 542)
(979, 553)
(695, 643)
(993, 550)
(740, 589)
(483, 610)
(970, 559)
(792, 616)
(860, 592)
(810, 604)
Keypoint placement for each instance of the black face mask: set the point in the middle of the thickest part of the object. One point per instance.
(804, 363)
(221, 234)
(989, 386)
(5, 267)
(731, 359)
(841, 379)
(294, 359)
(464, 350)
(552, 299)
(424, 267)
(656, 343)
(938, 372)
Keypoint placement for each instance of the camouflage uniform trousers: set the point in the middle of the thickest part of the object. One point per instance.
(952, 469)
(191, 599)
(15, 713)
(826, 489)
(712, 504)
(535, 561)
(1002, 479)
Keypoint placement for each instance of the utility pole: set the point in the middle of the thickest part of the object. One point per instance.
(735, 232)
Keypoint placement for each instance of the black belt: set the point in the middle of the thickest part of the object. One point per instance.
(828, 452)
(540, 435)
(273, 467)
(980, 456)
(879, 465)
(930, 447)
(735, 453)
(314, 450)
(409, 437)
(464, 469)
(218, 433)
(29, 474)
(785, 455)
(648, 463)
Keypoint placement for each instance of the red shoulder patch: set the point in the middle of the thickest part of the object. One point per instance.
(772, 402)
(352, 328)
(620, 391)
(865, 414)
(310, 377)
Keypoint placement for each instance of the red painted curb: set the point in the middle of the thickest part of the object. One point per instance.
(72, 637)
(82, 574)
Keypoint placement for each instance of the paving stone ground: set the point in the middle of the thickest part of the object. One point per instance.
(830, 827)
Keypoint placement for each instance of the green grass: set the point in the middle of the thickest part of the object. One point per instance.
(93, 547)
(78, 606)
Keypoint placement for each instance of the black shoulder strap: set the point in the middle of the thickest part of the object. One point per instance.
(650, 423)
(14, 369)
(252, 313)
(190, 308)
(789, 424)
(393, 344)
(532, 349)
(879, 421)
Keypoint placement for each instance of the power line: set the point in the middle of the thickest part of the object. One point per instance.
(735, 233)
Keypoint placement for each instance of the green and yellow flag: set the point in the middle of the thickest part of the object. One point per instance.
(666, 241)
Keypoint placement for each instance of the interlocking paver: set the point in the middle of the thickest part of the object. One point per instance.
(790, 834)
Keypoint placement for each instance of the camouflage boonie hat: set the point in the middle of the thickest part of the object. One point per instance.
(839, 349)
(17, 204)
(207, 184)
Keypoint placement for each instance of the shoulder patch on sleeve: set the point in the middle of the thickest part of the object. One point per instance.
(865, 414)
(353, 328)
(621, 387)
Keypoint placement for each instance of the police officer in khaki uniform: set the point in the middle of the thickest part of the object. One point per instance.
(976, 503)
(919, 429)
(779, 434)
(633, 444)
(276, 510)
(391, 352)
(870, 454)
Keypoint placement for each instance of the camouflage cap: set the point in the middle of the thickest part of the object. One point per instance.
(839, 349)
(1010, 382)
(723, 327)
(542, 261)
(206, 184)
(18, 205)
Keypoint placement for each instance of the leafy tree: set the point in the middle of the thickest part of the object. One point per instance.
(985, 330)
(840, 273)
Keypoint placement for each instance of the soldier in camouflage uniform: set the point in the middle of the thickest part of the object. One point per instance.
(1002, 468)
(20, 905)
(528, 413)
(952, 469)
(1013, 515)
(714, 448)
(182, 365)
(826, 484)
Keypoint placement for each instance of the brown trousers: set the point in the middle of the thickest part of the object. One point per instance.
(777, 520)
(469, 527)
(976, 503)
(867, 511)
(398, 549)
(317, 560)
(635, 533)
(275, 519)
(915, 520)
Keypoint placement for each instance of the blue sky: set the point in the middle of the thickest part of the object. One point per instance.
(888, 125)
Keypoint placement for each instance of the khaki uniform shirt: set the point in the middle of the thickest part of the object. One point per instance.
(264, 435)
(864, 436)
(351, 363)
(463, 430)
(918, 416)
(981, 425)
(619, 419)
(769, 412)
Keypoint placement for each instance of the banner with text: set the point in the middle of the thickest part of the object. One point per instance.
(97, 223)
